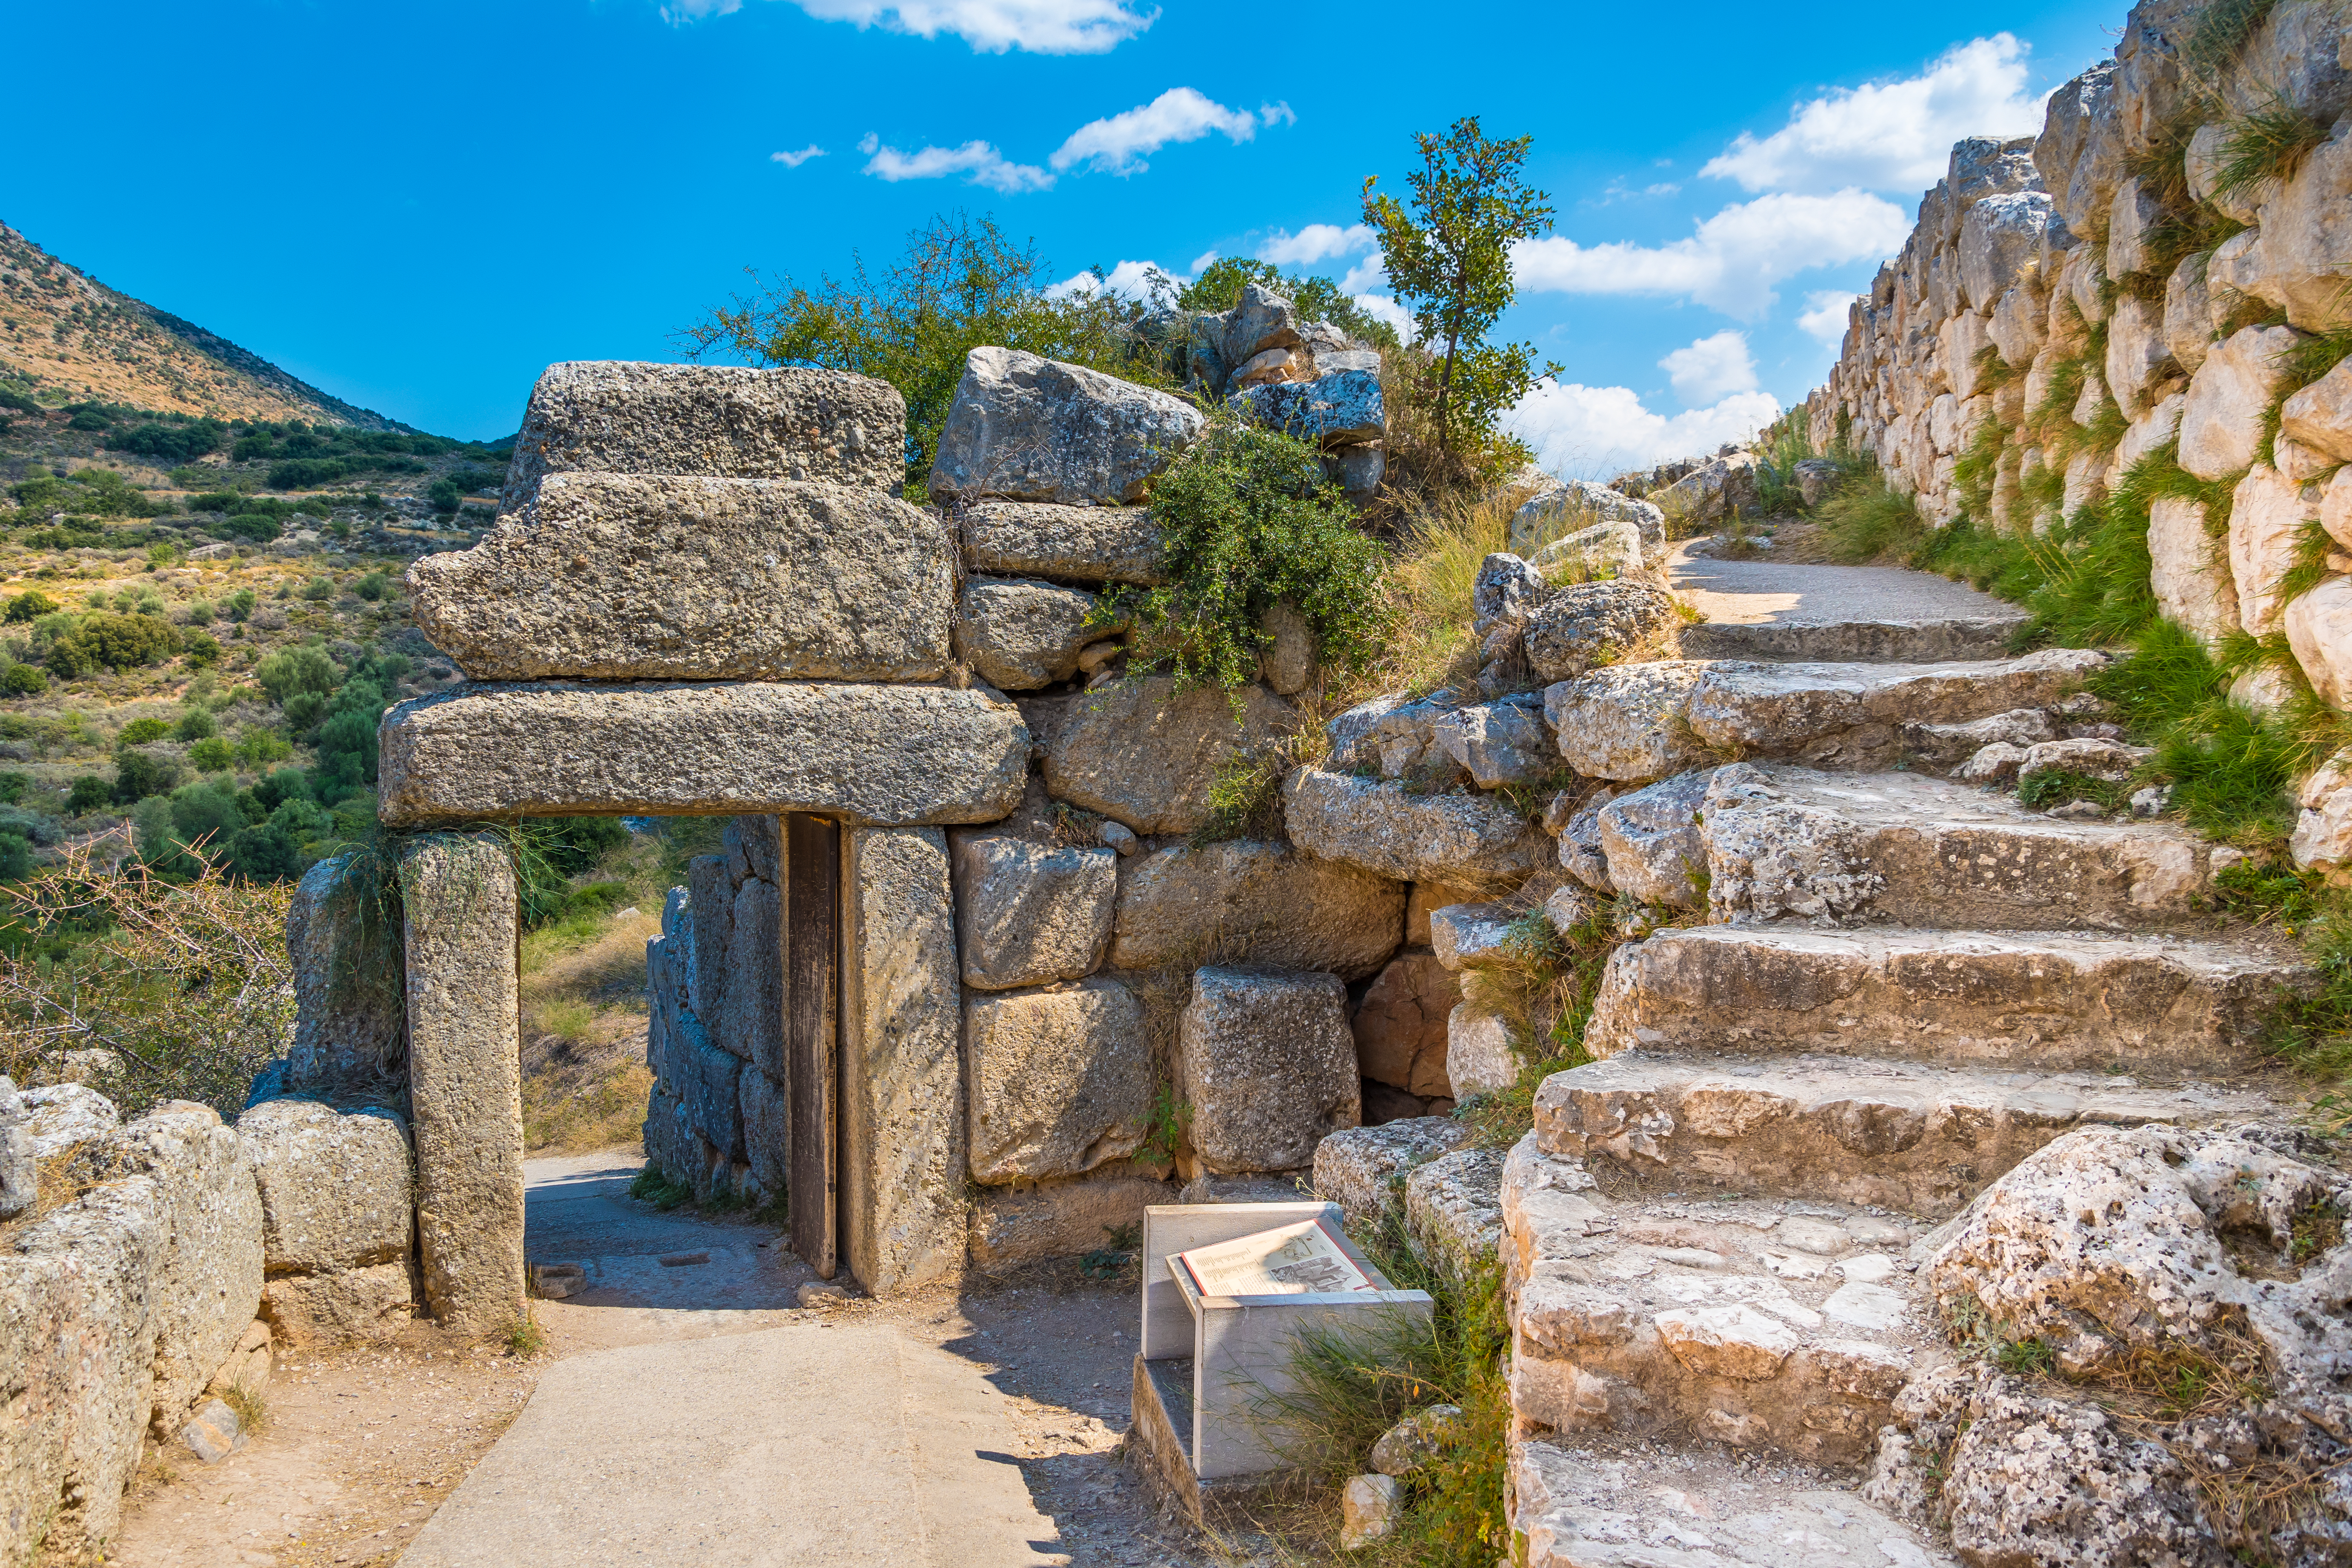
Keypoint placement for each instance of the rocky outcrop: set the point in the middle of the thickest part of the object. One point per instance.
(1026, 429)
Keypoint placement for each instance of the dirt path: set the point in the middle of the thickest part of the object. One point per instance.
(686, 1407)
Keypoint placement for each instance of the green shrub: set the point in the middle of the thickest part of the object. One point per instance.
(210, 755)
(88, 793)
(138, 775)
(112, 642)
(139, 732)
(195, 724)
(24, 681)
(240, 604)
(293, 670)
(1866, 518)
(1247, 521)
(15, 856)
(319, 589)
(374, 586)
(202, 649)
(30, 605)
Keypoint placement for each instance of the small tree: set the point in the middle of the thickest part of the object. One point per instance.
(1449, 260)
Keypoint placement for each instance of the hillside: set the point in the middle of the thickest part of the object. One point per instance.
(65, 337)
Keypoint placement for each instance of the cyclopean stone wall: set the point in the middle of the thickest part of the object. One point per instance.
(2040, 334)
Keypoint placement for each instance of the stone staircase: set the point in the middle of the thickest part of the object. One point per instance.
(1903, 986)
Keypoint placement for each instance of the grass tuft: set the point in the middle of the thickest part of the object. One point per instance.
(2266, 144)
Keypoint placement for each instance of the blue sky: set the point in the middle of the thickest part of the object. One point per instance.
(417, 207)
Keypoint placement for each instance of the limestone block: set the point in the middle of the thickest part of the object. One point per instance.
(1262, 319)
(2319, 630)
(2222, 427)
(709, 1084)
(1357, 470)
(1269, 1068)
(335, 1189)
(1248, 899)
(2077, 161)
(826, 426)
(1581, 853)
(1287, 661)
(667, 577)
(464, 1075)
(2320, 414)
(1144, 753)
(754, 846)
(19, 1171)
(1454, 1209)
(1835, 710)
(61, 1117)
(2189, 587)
(1013, 1225)
(2323, 827)
(2086, 481)
(1625, 722)
(1565, 507)
(903, 1164)
(2202, 161)
(1026, 914)
(1026, 429)
(2187, 314)
(2019, 326)
(2132, 218)
(1944, 745)
(1358, 1167)
(2306, 235)
(340, 1307)
(1404, 740)
(1652, 840)
(1470, 936)
(1349, 733)
(1336, 409)
(1998, 236)
(2235, 283)
(1060, 1079)
(1497, 742)
(1597, 622)
(1597, 553)
(2267, 515)
(1959, 342)
(751, 1020)
(2335, 507)
(350, 1030)
(1020, 635)
(1479, 1056)
(2110, 761)
(712, 898)
(2136, 352)
(862, 753)
(1070, 544)
(766, 1113)
(2150, 431)
(1713, 491)
(1399, 1026)
(1506, 589)
(1464, 839)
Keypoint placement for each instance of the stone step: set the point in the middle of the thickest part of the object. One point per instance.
(2052, 1001)
(1907, 1136)
(1906, 849)
(1632, 1504)
(1854, 642)
(1763, 1323)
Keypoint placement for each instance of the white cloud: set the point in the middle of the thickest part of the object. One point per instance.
(990, 27)
(1733, 259)
(1201, 263)
(1313, 243)
(1893, 135)
(1381, 307)
(1116, 145)
(1281, 110)
(1595, 431)
(794, 160)
(1712, 368)
(1145, 280)
(1826, 313)
(981, 164)
(1371, 272)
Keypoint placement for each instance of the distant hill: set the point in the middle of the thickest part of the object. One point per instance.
(66, 337)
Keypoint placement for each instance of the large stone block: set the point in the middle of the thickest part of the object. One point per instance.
(1341, 407)
(1019, 635)
(670, 577)
(613, 416)
(1462, 839)
(712, 894)
(767, 1130)
(1246, 899)
(1399, 1026)
(2267, 513)
(1497, 743)
(1998, 236)
(2191, 587)
(1269, 1068)
(750, 1022)
(903, 1165)
(862, 753)
(710, 1088)
(1060, 1079)
(1598, 623)
(466, 1075)
(1144, 753)
(351, 1025)
(1072, 544)
(2306, 232)
(1013, 1225)
(2320, 414)
(1564, 507)
(1027, 914)
(336, 1191)
(1362, 1168)
(2222, 427)
(2319, 631)
(1027, 428)
(1626, 721)
(340, 1307)
(1652, 842)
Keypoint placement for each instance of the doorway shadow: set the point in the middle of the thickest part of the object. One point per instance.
(577, 1211)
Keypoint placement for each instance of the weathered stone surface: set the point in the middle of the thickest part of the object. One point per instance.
(1652, 841)
(17, 1170)
(1288, 660)
(1508, 589)
(2221, 426)
(352, 1306)
(1019, 635)
(1598, 553)
(1919, 1139)
(1144, 753)
(708, 1081)
(2110, 761)
(1565, 507)
(2027, 999)
(2267, 513)
(1402, 741)
(1716, 490)
(350, 1026)
(1580, 849)
(1060, 1079)
(1844, 715)
(1626, 721)
(1418, 1438)
(613, 416)
(2190, 586)
(2196, 1240)
(2138, 356)
(1598, 623)
(665, 577)
(1921, 852)
(1423, 902)
(766, 1113)
(1269, 1068)
(1399, 1026)
(335, 1188)
(2320, 414)
(1246, 899)
(1338, 408)
(1359, 1168)
(1479, 1056)
(213, 1432)
(2306, 231)
(1942, 745)
(2187, 315)
(2323, 827)
(1076, 544)
(1012, 1225)
(61, 1117)
(1496, 743)
(2017, 329)
(1462, 839)
(1026, 914)
(1026, 429)
(464, 1078)
(1998, 236)
(1469, 936)
(1454, 1209)
(903, 1164)
(863, 754)
(1370, 1508)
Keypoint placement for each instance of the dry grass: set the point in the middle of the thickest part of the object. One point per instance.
(1440, 549)
(584, 1033)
